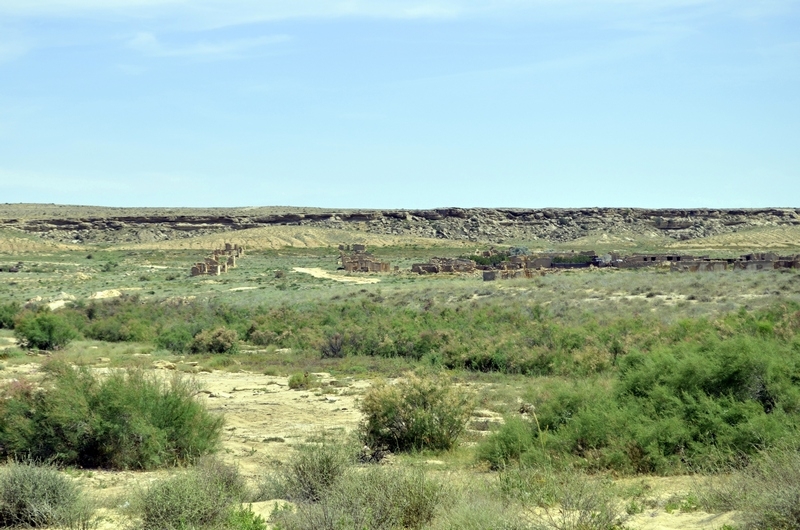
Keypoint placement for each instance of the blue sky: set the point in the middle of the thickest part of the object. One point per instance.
(400, 104)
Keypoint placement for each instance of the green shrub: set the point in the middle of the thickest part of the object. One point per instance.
(333, 347)
(8, 313)
(34, 495)
(118, 329)
(313, 470)
(300, 381)
(44, 330)
(219, 340)
(377, 498)
(244, 519)
(202, 497)
(766, 492)
(581, 503)
(415, 414)
(176, 339)
(507, 444)
(688, 405)
(122, 421)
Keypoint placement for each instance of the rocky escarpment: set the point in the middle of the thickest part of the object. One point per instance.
(99, 225)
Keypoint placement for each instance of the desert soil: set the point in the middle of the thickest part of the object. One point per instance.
(316, 272)
(265, 420)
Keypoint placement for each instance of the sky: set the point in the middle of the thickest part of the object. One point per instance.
(401, 103)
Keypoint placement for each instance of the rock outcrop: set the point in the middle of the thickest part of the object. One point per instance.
(96, 225)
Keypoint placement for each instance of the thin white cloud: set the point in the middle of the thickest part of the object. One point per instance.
(226, 12)
(149, 44)
(11, 49)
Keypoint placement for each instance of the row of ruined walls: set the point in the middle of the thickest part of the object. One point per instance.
(219, 261)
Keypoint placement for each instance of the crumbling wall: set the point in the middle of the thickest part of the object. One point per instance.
(218, 262)
(359, 260)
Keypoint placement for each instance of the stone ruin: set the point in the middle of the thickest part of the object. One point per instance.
(355, 258)
(650, 260)
(219, 262)
(746, 262)
(520, 265)
(437, 265)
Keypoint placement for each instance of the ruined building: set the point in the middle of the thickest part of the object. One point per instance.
(219, 261)
(355, 258)
(436, 265)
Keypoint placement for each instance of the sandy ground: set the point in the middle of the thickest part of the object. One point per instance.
(319, 273)
(15, 245)
(264, 420)
(782, 237)
(275, 237)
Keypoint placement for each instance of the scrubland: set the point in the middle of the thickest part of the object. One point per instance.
(135, 395)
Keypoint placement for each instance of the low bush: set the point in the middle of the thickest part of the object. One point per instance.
(333, 347)
(300, 381)
(766, 492)
(311, 472)
(8, 312)
(202, 497)
(508, 444)
(177, 338)
(123, 421)
(219, 340)
(686, 406)
(244, 519)
(479, 513)
(377, 498)
(415, 414)
(44, 330)
(34, 495)
(582, 503)
(118, 329)
(562, 499)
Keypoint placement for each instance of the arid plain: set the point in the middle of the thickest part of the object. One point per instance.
(69, 259)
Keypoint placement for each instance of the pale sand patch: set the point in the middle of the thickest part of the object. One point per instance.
(58, 304)
(662, 520)
(243, 288)
(111, 293)
(275, 237)
(319, 273)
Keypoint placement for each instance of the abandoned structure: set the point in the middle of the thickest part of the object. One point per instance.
(219, 261)
(747, 262)
(650, 260)
(436, 265)
(518, 266)
(355, 258)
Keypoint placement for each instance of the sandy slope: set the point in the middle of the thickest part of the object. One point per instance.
(779, 237)
(274, 237)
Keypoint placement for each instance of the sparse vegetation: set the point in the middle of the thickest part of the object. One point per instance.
(203, 497)
(766, 491)
(127, 420)
(35, 495)
(311, 472)
(415, 414)
(376, 497)
(219, 340)
(44, 330)
(597, 374)
(8, 313)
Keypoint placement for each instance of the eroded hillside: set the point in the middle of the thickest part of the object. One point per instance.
(83, 224)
